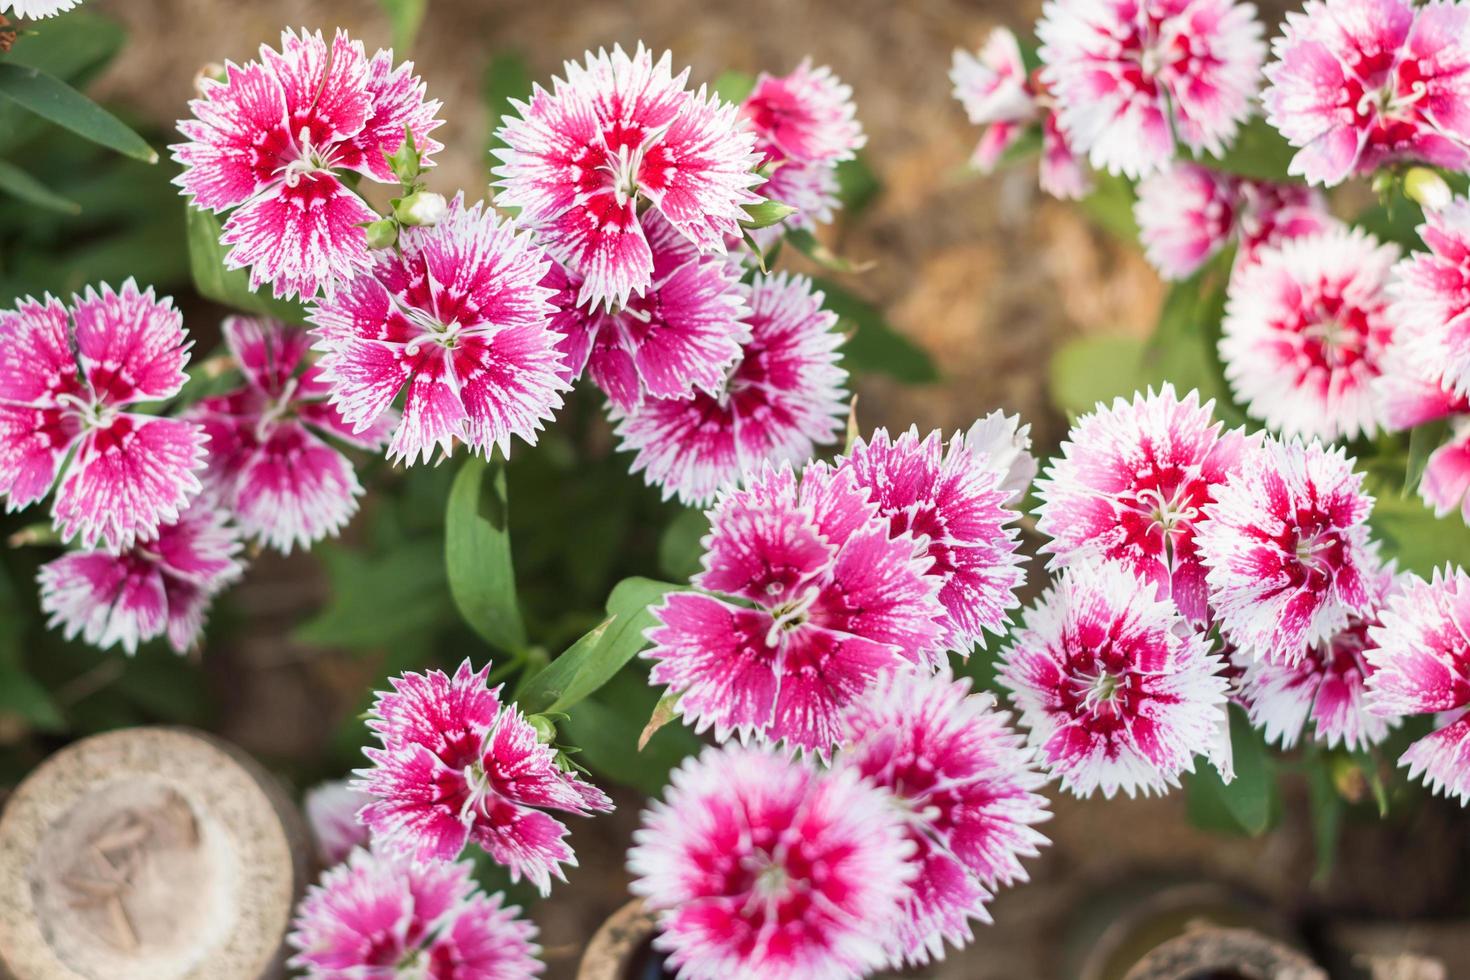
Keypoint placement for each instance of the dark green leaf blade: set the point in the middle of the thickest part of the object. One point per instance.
(22, 185)
(59, 103)
(406, 16)
(477, 555)
(229, 287)
(1248, 803)
(874, 345)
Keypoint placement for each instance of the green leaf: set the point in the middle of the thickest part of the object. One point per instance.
(607, 728)
(680, 548)
(20, 184)
(1258, 151)
(590, 662)
(477, 555)
(734, 86)
(406, 16)
(229, 287)
(1248, 803)
(808, 244)
(875, 346)
(1110, 206)
(22, 695)
(73, 48)
(1327, 812)
(1088, 370)
(59, 103)
(379, 601)
(1423, 441)
(507, 77)
(766, 213)
(857, 185)
(1413, 536)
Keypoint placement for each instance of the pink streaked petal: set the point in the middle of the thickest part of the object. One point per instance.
(268, 351)
(523, 769)
(398, 102)
(820, 672)
(510, 383)
(131, 346)
(325, 90)
(410, 814)
(701, 173)
(33, 444)
(294, 490)
(105, 599)
(1441, 760)
(239, 127)
(602, 240)
(879, 591)
(693, 333)
(366, 375)
(36, 360)
(531, 844)
(433, 411)
(807, 115)
(760, 552)
(1446, 479)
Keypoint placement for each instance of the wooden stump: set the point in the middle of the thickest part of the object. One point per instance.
(148, 854)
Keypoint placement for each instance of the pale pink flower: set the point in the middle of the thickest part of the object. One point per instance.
(761, 865)
(1358, 84)
(821, 601)
(1130, 77)
(1421, 660)
(1445, 484)
(274, 143)
(1006, 445)
(953, 503)
(677, 338)
(458, 766)
(1130, 486)
(269, 464)
(783, 398)
(1409, 392)
(375, 917)
(67, 376)
(966, 787)
(1431, 292)
(1305, 330)
(331, 811)
(618, 131)
(36, 9)
(807, 116)
(1286, 546)
(159, 587)
(456, 318)
(1327, 686)
(1115, 688)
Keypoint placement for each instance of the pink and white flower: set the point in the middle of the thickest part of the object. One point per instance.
(1115, 688)
(1327, 686)
(331, 812)
(1358, 84)
(1445, 484)
(1006, 445)
(783, 398)
(952, 501)
(678, 338)
(1421, 660)
(966, 787)
(268, 464)
(458, 766)
(160, 587)
(67, 376)
(457, 319)
(1431, 293)
(1305, 330)
(761, 865)
(807, 115)
(1131, 77)
(379, 918)
(617, 131)
(1130, 486)
(821, 601)
(274, 141)
(1286, 548)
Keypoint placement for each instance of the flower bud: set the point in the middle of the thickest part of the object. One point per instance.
(1427, 188)
(545, 728)
(421, 208)
(381, 233)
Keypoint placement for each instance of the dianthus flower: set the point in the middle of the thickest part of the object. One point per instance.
(1431, 297)
(966, 787)
(458, 319)
(821, 601)
(1116, 690)
(66, 379)
(1326, 686)
(268, 463)
(1186, 215)
(276, 142)
(379, 918)
(997, 94)
(1306, 326)
(331, 812)
(1006, 445)
(36, 9)
(783, 397)
(1445, 484)
(458, 766)
(159, 587)
(1421, 660)
(678, 338)
(1358, 84)
(1129, 486)
(621, 130)
(1131, 77)
(952, 501)
(761, 865)
(1286, 546)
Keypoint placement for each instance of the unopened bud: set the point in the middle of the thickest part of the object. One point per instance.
(1428, 188)
(422, 208)
(381, 233)
(545, 728)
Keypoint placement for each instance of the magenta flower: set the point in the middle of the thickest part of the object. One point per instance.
(379, 918)
(1130, 486)
(618, 131)
(1116, 690)
(1431, 292)
(761, 865)
(275, 142)
(66, 378)
(1327, 685)
(458, 766)
(1131, 77)
(953, 503)
(966, 787)
(160, 587)
(783, 397)
(268, 463)
(1410, 393)
(457, 319)
(1445, 485)
(1358, 84)
(1286, 546)
(331, 811)
(821, 601)
(678, 337)
(806, 116)
(1305, 330)
(1421, 660)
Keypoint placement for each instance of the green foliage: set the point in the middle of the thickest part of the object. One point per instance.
(1249, 804)
(734, 86)
(507, 77)
(229, 287)
(680, 548)
(477, 555)
(72, 49)
(873, 345)
(55, 101)
(381, 598)
(406, 16)
(19, 184)
(1110, 206)
(607, 727)
(857, 186)
(1413, 536)
(1258, 151)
